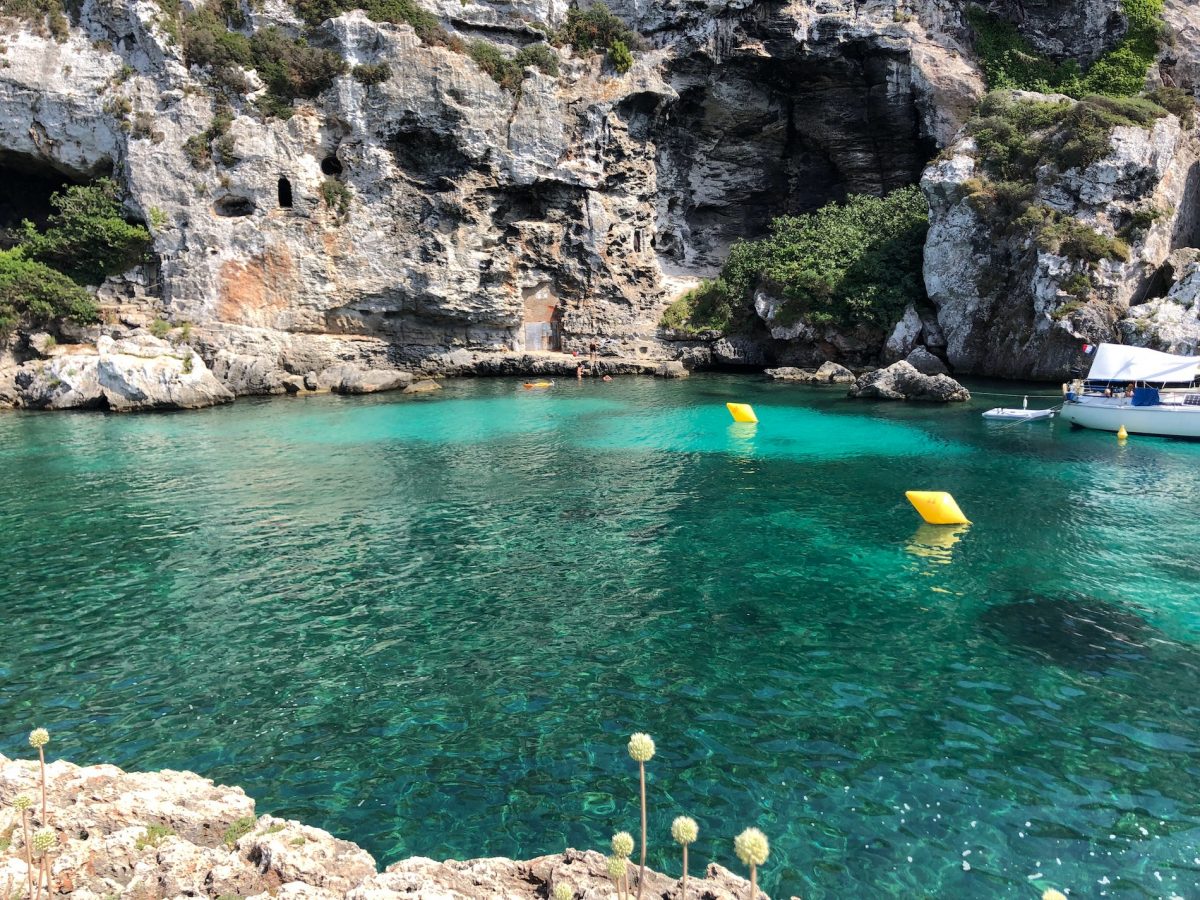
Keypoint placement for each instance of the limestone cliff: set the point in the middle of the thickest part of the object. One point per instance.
(480, 220)
(435, 221)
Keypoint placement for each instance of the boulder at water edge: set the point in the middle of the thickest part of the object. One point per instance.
(828, 373)
(901, 381)
(926, 363)
(137, 373)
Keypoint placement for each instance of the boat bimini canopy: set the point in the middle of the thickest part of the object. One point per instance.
(1116, 362)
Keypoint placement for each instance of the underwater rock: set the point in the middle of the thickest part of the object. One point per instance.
(1072, 630)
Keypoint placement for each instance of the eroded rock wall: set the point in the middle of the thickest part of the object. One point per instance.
(481, 220)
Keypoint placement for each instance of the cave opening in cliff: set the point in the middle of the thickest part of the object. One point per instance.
(331, 166)
(234, 207)
(756, 137)
(28, 187)
(285, 194)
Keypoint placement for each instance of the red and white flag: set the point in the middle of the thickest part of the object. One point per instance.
(1088, 348)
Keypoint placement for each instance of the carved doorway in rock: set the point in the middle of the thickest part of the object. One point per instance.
(543, 319)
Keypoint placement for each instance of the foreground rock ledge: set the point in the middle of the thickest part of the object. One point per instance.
(208, 843)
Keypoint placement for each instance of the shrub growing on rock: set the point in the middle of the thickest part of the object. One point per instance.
(337, 197)
(595, 28)
(621, 56)
(87, 237)
(1010, 61)
(372, 73)
(35, 294)
(46, 16)
(398, 12)
(508, 72)
(852, 264)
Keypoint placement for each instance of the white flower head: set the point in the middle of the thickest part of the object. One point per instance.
(39, 737)
(44, 839)
(616, 867)
(23, 802)
(563, 891)
(684, 830)
(641, 747)
(622, 844)
(751, 847)
(1052, 894)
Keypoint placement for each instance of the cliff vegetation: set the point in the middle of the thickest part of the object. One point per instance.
(86, 239)
(847, 264)
(1009, 61)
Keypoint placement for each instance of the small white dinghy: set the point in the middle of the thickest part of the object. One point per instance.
(1022, 414)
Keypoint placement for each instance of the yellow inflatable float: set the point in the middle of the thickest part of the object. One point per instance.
(530, 385)
(741, 412)
(937, 507)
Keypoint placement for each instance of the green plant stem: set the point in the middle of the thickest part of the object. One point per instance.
(42, 762)
(642, 866)
(683, 890)
(28, 851)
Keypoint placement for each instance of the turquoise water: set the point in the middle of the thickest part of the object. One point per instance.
(428, 625)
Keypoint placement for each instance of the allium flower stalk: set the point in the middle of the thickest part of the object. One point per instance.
(44, 839)
(641, 748)
(622, 844)
(685, 831)
(618, 867)
(752, 849)
(39, 738)
(23, 803)
(1052, 894)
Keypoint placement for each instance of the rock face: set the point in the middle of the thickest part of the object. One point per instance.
(901, 381)
(828, 373)
(174, 834)
(141, 373)
(1170, 323)
(485, 227)
(925, 362)
(1002, 304)
(482, 222)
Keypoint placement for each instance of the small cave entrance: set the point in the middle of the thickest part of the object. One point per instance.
(543, 319)
(231, 207)
(285, 193)
(755, 137)
(331, 166)
(28, 186)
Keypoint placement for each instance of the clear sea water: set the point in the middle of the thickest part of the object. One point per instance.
(429, 625)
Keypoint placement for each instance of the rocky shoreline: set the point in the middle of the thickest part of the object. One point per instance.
(152, 836)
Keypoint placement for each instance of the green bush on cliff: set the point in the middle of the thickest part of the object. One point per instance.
(620, 56)
(398, 12)
(46, 16)
(87, 237)
(856, 264)
(508, 72)
(288, 66)
(1009, 61)
(35, 294)
(595, 28)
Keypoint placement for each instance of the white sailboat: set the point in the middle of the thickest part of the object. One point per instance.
(1127, 387)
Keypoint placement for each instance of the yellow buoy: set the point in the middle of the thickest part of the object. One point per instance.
(741, 412)
(1122, 434)
(937, 507)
